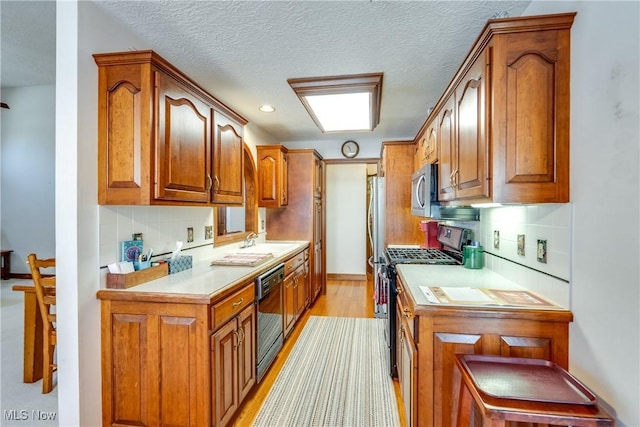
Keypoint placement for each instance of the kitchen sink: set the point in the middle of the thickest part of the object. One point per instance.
(253, 256)
(267, 248)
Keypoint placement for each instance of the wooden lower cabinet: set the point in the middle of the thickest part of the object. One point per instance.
(296, 292)
(233, 364)
(407, 365)
(442, 332)
(176, 362)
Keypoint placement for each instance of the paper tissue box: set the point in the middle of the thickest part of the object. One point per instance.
(181, 263)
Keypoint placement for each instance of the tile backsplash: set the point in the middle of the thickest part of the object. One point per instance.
(161, 227)
(550, 222)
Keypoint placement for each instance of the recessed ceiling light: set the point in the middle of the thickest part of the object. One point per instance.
(341, 103)
(266, 108)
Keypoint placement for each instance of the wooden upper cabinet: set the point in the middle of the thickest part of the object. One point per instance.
(470, 173)
(273, 176)
(183, 151)
(510, 115)
(158, 142)
(228, 156)
(426, 145)
(531, 119)
(448, 149)
(400, 226)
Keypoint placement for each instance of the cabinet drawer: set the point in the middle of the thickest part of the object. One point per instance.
(405, 310)
(226, 309)
(294, 262)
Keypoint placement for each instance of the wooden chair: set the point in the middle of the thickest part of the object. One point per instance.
(46, 297)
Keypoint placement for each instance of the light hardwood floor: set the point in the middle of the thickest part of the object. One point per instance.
(344, 298)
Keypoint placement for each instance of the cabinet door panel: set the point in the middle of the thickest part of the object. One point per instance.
(289, 303)
(178, 370)
(184, 138)
(445, 347)
(530, 125)
(130, 369)
(124, 130)
(448, 151)
(538, 348)
(430, 154)
(471, 175)
(225, 370)
(407, 371)
(267, 180)
(228, 158)
(246, 352)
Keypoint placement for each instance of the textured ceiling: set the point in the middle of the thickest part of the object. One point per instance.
(243, 52)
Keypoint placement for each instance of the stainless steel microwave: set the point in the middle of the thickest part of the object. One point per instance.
(423, 190)
(424, 198)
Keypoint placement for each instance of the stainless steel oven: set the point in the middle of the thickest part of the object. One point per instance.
(270, 321)
(451, 240)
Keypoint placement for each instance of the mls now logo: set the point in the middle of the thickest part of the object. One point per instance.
(23, 415)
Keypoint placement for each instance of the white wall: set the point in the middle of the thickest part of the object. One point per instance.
(81, 31)
(605, 295)
(27, 173)
(346, 213)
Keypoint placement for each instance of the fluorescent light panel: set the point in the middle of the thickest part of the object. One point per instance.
(341, 103)
(348, 111)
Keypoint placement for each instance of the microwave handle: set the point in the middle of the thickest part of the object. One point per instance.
(419, 192)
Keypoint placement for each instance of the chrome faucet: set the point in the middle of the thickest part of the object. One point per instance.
(250, 240)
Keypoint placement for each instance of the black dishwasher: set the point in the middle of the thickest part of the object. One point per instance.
(270, 322)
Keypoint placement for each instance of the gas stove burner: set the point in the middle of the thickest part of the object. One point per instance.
(419, 256)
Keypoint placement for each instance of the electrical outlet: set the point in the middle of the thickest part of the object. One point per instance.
(262, 225)
(496, 239)
(542, 251)
(208, 232)
(521, 244)
(189, 234)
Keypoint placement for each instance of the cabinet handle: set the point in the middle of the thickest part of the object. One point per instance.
(209, 182)
(241, 332)
(406, 312)
(216, 188)
(237, 339)
(453, 178)
(235, 304)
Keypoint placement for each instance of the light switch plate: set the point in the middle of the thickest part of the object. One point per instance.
(496, 239)
(208, 232)
(521, 244)
(189, 234)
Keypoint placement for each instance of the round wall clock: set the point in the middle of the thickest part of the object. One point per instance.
(350, 149)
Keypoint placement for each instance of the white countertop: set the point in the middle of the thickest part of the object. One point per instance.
(204, 280)
(415, 276)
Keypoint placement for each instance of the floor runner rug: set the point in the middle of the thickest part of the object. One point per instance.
(335, 375)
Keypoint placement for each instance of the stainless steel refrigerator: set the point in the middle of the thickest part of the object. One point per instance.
(375, 232)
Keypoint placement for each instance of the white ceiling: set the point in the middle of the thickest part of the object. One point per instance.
(243, 52)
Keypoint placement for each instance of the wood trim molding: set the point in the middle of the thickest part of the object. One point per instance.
(357, 277)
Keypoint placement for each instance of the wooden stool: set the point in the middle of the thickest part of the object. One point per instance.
(5, 272)
(508, 389)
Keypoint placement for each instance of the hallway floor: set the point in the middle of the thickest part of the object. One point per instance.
(21, 404)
